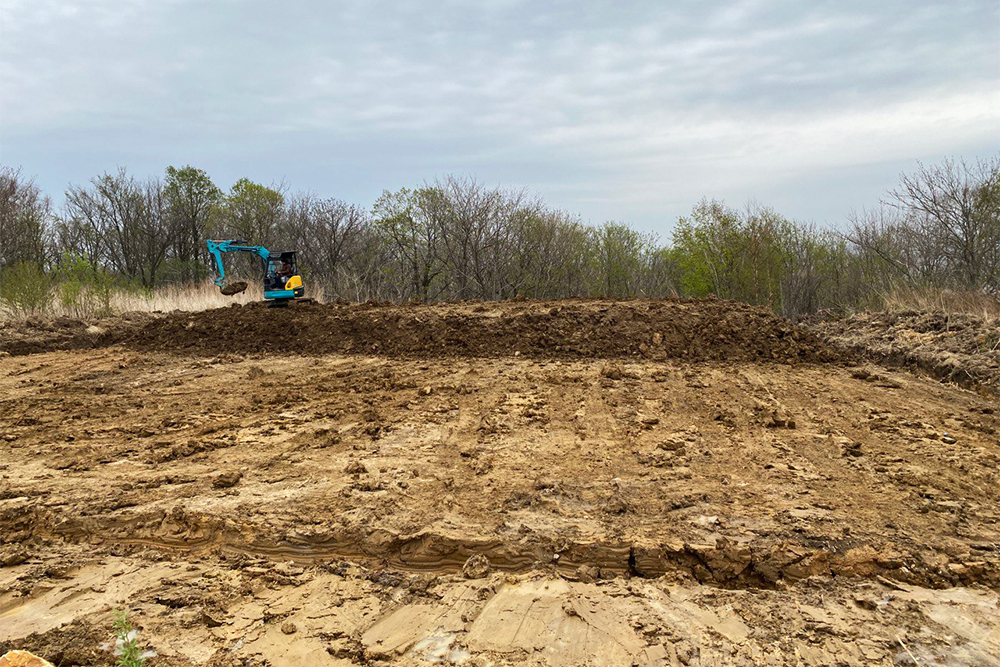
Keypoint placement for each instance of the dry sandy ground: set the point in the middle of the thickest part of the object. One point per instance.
(613, 507)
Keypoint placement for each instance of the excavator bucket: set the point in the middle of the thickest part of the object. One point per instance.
(235, 288)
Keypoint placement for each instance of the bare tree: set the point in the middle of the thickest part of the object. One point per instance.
(330, 233)
(482, 234)
(886, 248)
(120, 222)
(25, 216)
(953, 212)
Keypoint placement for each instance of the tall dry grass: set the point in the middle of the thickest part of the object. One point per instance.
(939, 300)
(190, 297)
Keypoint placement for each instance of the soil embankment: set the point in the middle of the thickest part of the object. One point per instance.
(959, 348)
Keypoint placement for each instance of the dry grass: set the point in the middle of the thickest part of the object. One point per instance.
(189, 297)
(940, 300)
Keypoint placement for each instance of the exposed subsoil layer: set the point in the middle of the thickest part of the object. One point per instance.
(959, 348)
(574, 499)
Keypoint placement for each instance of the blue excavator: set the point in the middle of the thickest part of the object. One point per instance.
(282, 283)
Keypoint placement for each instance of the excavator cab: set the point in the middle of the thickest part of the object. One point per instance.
(281, 278)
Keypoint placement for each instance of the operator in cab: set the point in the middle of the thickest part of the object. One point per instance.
(284, 272)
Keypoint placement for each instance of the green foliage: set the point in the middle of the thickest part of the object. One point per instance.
(192, 199)
(755, 255)
(695, 276)
(251, 211)
(703, 248)
(621, 253)
(85, 289)
(393, 212)
(191, 188)
(25, 289)
(127, 642)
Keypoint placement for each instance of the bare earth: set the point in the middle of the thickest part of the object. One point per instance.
(559, 483)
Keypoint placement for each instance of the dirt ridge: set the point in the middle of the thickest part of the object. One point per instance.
(757, 564)
(952, 347)
(696, 329)
(655, 329)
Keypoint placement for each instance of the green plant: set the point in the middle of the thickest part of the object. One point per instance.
(25, 289)
(84, 288)
(126, 642)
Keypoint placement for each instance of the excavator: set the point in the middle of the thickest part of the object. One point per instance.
(282, 283)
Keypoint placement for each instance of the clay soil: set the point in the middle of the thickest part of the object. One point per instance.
(524, 483)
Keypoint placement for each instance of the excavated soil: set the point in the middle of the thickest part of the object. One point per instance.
(654, 329)
(559, 483)
(48, 334)
(959, 348)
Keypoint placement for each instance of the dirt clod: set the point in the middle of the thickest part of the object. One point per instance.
(11, 555)
(23, 659)
(227, 479)
(476, 566)
(234, 288)
(355, 468)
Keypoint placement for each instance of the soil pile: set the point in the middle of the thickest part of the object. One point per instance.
(707, 329)
(956, 347)
(41, 334)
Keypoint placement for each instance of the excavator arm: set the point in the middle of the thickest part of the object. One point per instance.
(216, 248)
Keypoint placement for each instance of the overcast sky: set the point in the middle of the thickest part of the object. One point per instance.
(614, 110)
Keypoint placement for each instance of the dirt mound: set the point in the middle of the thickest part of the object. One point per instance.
(707, 329)
(955, 347)
(38, 334)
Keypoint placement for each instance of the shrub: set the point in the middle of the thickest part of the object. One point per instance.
(25, 289)
(84, 289)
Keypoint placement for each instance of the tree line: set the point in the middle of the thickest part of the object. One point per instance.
(457, 238)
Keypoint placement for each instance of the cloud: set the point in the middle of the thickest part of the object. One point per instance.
(636, 104)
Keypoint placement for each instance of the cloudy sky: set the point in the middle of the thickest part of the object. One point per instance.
(614, 110)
